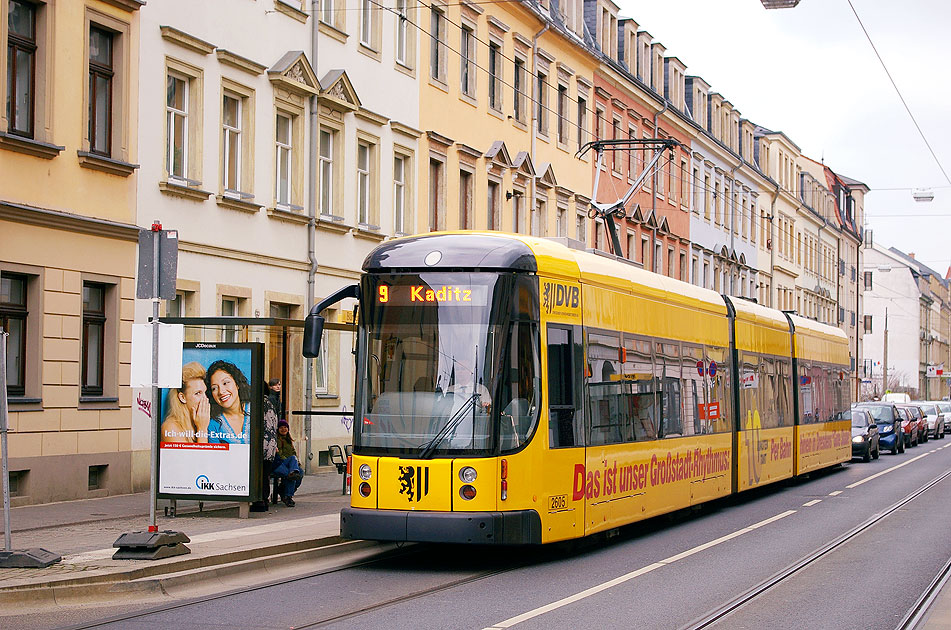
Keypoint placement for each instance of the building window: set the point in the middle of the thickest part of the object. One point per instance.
(100, 90)
(366, 22)
(229, 308)
(176, 113)
(867, 277)
(562, 114)
(326, 170)
(868, 323)
(467, 60)
(284, 152)
(13, 320)
(541, 103)
(495, 77)
(519, 90)
(539, 219)
(561, 222)
(327, 11)
(399, 194)
(21, 67)
(494, 207)
(402, 33)
(437, 51)
(465, 200)
(582, 119)
(363, 183)
(231, 137)
(94, 331)
(581, 222)
(437, 198)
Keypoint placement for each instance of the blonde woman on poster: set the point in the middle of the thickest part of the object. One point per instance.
(189, 410)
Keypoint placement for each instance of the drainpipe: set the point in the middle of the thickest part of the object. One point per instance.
(311, 238)
(535, 106)
(772, 250)
(656, 265)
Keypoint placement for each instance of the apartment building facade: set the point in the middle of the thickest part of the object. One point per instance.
(68, 158)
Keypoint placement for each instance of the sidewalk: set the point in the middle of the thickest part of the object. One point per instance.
(222, 545)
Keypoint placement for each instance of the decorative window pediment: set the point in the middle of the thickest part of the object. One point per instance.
(523, 164)
(499, 155)
(294, 73)
(547, 176)
(337, 91)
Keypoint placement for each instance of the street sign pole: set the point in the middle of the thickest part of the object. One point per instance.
(161, 271)
(153, 477)
(7, 545)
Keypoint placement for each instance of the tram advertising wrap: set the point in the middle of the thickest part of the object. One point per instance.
(515, 390)
(210, 425)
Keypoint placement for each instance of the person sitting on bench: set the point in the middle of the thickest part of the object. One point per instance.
(286, 465)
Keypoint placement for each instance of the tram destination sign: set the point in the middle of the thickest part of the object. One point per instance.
(422, 294)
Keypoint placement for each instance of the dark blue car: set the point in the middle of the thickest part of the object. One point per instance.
(888, 420)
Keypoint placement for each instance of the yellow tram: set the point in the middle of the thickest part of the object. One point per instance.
(514, 390)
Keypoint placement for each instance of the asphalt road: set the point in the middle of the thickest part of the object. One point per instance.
(666, 573)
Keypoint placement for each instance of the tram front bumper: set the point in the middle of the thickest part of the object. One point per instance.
(519, 527)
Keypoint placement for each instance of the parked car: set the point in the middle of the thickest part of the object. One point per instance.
(909, 426)
(922, 424)
(889, 421)
(865, 438)
(934, 417)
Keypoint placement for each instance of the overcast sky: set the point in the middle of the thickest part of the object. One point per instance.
(811, 73)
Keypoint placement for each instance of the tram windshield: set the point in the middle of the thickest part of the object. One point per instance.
(452, 364)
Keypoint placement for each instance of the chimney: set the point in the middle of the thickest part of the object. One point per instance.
(911, 255)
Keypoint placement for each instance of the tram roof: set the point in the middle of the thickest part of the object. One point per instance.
(820, 342)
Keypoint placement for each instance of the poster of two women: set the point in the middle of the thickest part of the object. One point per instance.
(208, 425)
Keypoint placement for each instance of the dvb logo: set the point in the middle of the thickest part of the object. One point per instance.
(560, 296)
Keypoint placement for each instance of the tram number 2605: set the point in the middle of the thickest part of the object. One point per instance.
(557, 502)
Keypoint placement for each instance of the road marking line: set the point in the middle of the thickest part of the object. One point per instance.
(231, 534)
(811, 503)
(835, 493)
(594, 590)
(886, 471)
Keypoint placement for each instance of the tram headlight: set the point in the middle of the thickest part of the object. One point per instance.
(467, 492)
(467, 474)
(364, 489)
(365, 472)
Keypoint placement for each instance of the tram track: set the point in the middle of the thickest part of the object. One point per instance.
(401, 553)
(912, 619)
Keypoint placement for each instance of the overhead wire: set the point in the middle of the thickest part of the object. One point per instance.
(897, 91)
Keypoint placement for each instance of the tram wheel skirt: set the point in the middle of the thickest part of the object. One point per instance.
(520, 527)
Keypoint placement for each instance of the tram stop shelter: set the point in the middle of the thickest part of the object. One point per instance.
(282, 339)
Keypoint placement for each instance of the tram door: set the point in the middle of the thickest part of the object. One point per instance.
(564, 503)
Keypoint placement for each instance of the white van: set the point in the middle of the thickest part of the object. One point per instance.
(896, 397)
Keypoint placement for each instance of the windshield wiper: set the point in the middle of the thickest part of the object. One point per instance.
(427, 450)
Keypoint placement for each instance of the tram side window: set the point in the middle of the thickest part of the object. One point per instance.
(752, 385)
(640, 396)
(564, 424)
(694, 392)
(667, 370)
(608, 416)
(812, 393)
(720, 406)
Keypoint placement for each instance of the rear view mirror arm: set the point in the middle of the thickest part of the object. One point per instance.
(314, 324)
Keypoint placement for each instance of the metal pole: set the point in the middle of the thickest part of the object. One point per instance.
(7, 545)
(153, 477)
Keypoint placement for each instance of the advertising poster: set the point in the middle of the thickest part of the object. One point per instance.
(209, 427)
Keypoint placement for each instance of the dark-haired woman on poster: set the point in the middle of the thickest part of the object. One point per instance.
(230, 404)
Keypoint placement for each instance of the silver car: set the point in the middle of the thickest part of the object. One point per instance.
(935, 416)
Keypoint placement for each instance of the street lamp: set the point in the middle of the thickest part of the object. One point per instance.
(779, 4)
(922, 194)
